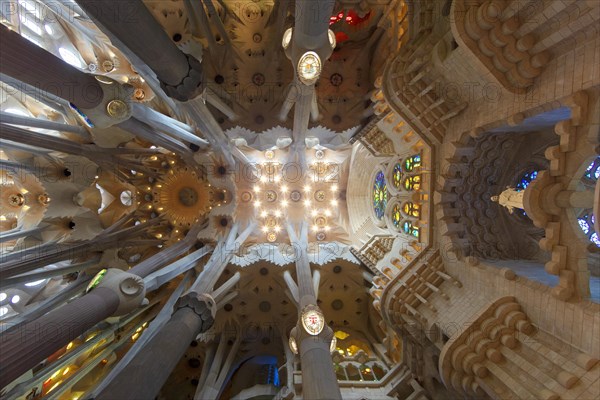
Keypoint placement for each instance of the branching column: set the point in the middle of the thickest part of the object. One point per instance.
(30, 64)
(318, 377)
(194, 314)
(133, 25)
(25, 345)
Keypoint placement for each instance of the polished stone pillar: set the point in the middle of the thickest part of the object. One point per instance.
(30, 64)
(41, 123)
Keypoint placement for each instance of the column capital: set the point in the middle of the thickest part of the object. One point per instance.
(128, 287)
(203, 305)
(190, 86)
(113, 108)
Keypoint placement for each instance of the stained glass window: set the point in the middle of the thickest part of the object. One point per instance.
(412, 162)
(380, 195)
(397, 176)
(412, 210)
(593, 170)
(412, 182)
(396, 216)
(586, 223)
(409, 229)
(594, 238)
(583, 224)
(526, 179)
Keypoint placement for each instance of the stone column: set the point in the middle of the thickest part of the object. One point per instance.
(318, 377)
(24, 346)
(30, 64)
(219, 369)
(101, 156)
(147, 372)
(574, 199)
(31, 342)
(132, 24)
(195, 313)
(35, 257)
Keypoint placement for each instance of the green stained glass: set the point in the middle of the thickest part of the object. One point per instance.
(412, 182)
(397, 176)
(396, 216)
(409, 229)
(96, 280)
(380, 195)
(412, 162)
(411, 209)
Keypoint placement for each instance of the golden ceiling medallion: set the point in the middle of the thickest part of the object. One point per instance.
(43, 199)
(108, 65)
(246, 197)
(271, 196)
(320, 221)
(16, 200)
(117, 109)
(271, 237)
(271, 221)
(320, 195)
(139, 94)
(183, 197)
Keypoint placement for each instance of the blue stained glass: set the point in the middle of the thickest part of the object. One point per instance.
(380, 195)
(593, 170)
(594, 238)
(584, 225)
(397, 176)
(409, 229)
(396, 216)
(412, 162)
(526, 179)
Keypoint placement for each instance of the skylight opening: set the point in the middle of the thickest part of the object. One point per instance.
(70, 58)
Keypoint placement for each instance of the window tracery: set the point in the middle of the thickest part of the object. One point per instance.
(397, 176)
(412, 209)
(396, 216)
(410, 229)
(412, 183)
(380, 195)
(586, 217)
(412, 162)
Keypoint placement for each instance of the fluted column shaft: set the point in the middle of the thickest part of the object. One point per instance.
(24, 345)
